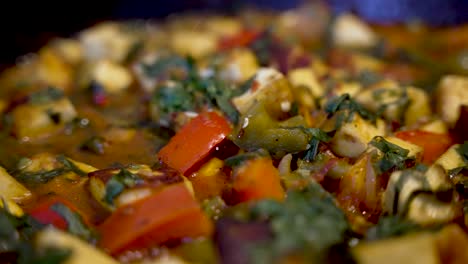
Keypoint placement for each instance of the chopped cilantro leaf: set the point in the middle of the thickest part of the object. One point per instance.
(70, 166)
(316, 136)
(463, 151)
(113, 189)
(117, 184)
(346, 107)
(39, 177)
(307, 223)
(394, 156)
(42, 176)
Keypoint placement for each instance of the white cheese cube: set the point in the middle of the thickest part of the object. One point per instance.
(352, 138)
(451, 93)
(350, 31)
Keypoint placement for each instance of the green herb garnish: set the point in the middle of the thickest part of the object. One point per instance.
(394, 156)
(307, 223)
(117, 184)
(70, 166)
(346, 107)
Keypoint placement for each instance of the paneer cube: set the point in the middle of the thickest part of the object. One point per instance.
(113, 77)
(419, 106)
(241, 65)
(269, 86)
(350, 31)
(10, 188)
(106, 41)
(451, 93)
(53, 70)
(37, 120)
(193, 43)
(306, 77)
(352, 138)
(451, 159)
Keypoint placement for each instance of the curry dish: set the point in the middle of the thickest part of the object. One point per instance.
(293, 137)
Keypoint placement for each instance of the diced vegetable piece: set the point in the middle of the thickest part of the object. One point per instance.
(168, 214)
(10, 188)
(451, 159)
(113, 77)
(259, 130)
(12, 207)
(97, 188)
(306, 77)
(209, 181)
(36, 120)
(258, 179)
(451, 94)
(359, 188)
(44, 213)
(195, 141)
(241, 65)
(409, 249)
(350, 31)
(414, 149)
(241, 39)
(269, 87)
(433, 144)
(193, 43)
(352, 137)
(82, 252)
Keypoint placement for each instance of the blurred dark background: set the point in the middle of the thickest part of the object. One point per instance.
(27, 25)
